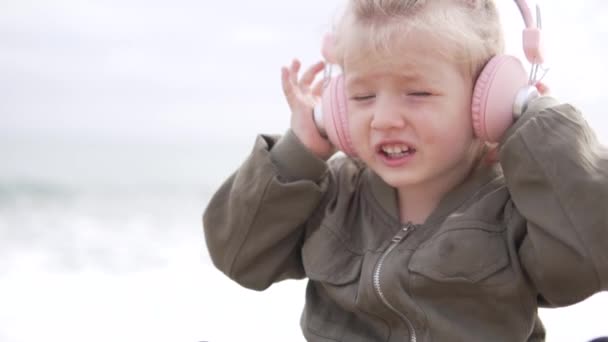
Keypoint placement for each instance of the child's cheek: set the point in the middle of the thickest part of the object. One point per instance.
(360, 128)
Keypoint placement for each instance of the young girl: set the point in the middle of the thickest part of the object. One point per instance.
(420, 237)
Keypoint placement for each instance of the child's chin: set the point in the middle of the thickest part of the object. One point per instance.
(398, 180)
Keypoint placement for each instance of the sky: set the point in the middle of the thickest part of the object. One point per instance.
(148, 71)
(188, 71)
(136, 74)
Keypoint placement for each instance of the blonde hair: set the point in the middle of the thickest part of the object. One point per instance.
(468, 31)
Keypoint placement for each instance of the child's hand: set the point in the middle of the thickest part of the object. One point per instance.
(302, 96)
(542, 88)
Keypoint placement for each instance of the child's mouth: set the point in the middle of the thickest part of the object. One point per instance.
(394, 155)
(396, 151)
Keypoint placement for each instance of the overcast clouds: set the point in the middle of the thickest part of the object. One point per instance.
(171, 70)
(102, 68)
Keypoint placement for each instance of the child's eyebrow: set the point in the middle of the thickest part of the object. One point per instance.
(362, 79)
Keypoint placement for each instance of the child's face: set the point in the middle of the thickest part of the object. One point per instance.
(415, 99)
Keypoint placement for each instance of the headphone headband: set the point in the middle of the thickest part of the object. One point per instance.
(531, 38)
(526, 14)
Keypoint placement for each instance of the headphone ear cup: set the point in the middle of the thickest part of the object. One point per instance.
(494, 96)
(335, 116)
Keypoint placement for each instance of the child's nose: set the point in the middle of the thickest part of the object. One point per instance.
(387, 114)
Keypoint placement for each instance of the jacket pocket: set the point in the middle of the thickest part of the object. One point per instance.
(462, 254)
(333, 271)
(327, 259)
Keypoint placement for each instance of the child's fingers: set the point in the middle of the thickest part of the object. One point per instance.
(542, 88)
(310, 74)
(286, 83)
(317, 89)
(295, 68)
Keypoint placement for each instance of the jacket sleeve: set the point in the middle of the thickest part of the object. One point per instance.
(255, 223)
(557, 174)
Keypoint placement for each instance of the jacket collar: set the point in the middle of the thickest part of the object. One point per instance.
(386, 196)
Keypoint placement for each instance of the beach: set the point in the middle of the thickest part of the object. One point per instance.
(115, 252)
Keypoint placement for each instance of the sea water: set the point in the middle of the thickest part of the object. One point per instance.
(103, 242)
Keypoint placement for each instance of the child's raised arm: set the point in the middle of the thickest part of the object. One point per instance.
(557, 174)
(255, 223)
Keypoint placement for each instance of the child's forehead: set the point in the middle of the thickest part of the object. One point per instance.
(405, 66)
(408, 61)
(365, 75)
(411, 54)
(394, 46)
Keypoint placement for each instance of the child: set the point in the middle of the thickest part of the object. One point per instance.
(418, 238)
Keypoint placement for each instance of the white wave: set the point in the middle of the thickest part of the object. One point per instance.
(185, 300)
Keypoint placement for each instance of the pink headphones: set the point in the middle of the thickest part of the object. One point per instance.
(501, 94)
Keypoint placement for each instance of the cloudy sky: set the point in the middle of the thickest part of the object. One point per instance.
(187, 70)
(141, 70)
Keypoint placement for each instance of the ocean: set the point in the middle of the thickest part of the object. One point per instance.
(103, 242)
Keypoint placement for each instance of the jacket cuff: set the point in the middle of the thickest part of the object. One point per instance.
(293, 161)
(534, 108)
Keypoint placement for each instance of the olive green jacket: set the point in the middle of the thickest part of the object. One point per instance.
(531, 231)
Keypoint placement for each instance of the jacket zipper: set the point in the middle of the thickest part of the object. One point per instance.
(403, 233)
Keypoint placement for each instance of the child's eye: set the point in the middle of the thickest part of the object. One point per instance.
(420, 93)
(363, 97)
